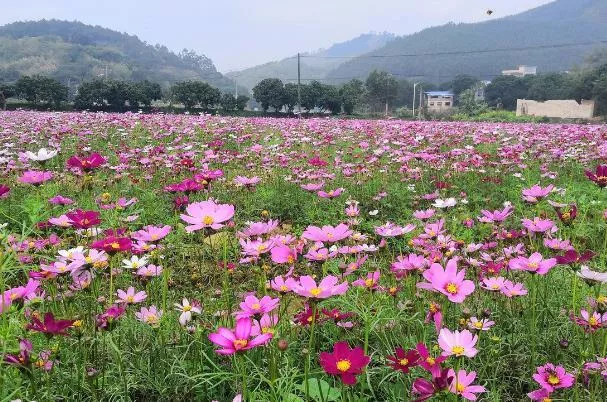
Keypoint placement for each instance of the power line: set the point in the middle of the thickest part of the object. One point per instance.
(457, 52)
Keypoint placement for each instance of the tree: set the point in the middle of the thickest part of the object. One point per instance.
(91, 94)
(311, 95)
(270, 92)
(352, 93)
(290, 96)
(241, 102)
(381, 88)
(506, 90)
(461, 82)
(228, 102)
(38, 89)
(469, 105)
(330, 99)
(192, 93)
(551, 86)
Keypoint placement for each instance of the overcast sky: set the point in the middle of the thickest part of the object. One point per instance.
(244, 33)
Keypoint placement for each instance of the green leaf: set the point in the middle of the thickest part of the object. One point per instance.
(317, 387)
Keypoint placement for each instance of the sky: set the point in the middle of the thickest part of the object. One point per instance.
(241, 33)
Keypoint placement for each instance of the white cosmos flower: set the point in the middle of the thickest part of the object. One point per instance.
(42, 155)
(449, 202)
(587, 274)
(186, 311)
(135, 262)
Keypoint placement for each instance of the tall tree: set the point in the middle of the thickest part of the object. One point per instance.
(381, 88)
(270, 92)
(352, 93)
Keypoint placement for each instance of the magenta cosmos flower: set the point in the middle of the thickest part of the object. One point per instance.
(448, 281)
(538, 225)
(86, 163)
(599, 176)
(35, 177)
(344, 362)
(113, 244)
(328, 287)
(4, 191)
(331, 193)
(535, 263)
(462, 384)
(50, 326)
(84, 219)
(207, 214)
(239, 339)
(496, 216)
(457, 343)
(551, 377)
(327, 233)
(151, 233)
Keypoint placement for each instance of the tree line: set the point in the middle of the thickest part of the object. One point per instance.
(379, 92)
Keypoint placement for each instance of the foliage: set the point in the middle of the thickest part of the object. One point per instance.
(192, 93)
(115, 94)
(270, 92)
(352, 95)
(381, 88)
(38, 89)
(469, 105)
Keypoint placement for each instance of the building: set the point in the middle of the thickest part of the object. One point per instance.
(479, 90)
(521, 71)
(438, 101)
(563, 109)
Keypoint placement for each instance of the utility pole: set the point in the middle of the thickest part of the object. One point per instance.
(236, 89)
(298, 85)
(415, 84)
(421, 91)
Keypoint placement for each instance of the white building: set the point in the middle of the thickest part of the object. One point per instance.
(521, 71)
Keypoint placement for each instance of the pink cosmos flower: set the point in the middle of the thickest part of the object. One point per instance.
(187, 310)
(331, 193)
(207, 214)
(535, 263)
(60, 200)
(150, 315)
(448, 281)
(493, 283)
(243, 181)
(541, 395)
(590, 322)
(393, 230)
(238, 339)
(480, 325)
(266, 324)
(313, 186)
(551, 377)
(558, 244)
(131, 296)
(352, 210)
(538, 225)
(462, 384)
(457, 343)
(35, 177)
(424, 214)
(411, 262)
(327, 233)
(254, 307)
(149, 271)
(428, 362)
(496, 216)
(4, 191)
(255, 248)
(283, 255)
(511, 289)
(432, 230)
(283, 285)
(151, 233)
(536, 193)
(86, 163)
(328, 287)
(371, 282)
(259, 228)
(61, 221)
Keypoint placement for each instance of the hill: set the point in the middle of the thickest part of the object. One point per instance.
(73, 52)
(311, 66)
(559, 22)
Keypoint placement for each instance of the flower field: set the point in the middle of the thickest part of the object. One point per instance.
(182, 258)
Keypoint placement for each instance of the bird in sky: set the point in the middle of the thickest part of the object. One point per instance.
(489, 12)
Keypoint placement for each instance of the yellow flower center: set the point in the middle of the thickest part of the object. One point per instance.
(186, 308)
(430, 360)
(593, 321)
(154, 237)
(451, 288)
(403, 362)
(290, 259)
(369, 282)
(553, 379)
(88, 259)
(240, 343)
(459, 387)
(267, 330)
(256, 306)
(602, 299)
(208, 220)
(343, 365)
(458, 350)
(130, 299)
(495, 286)
(478, 324)
(315, 291)
(115, 245)
(283, 288)
(533, 265)
(261, 248)
(565, 216)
